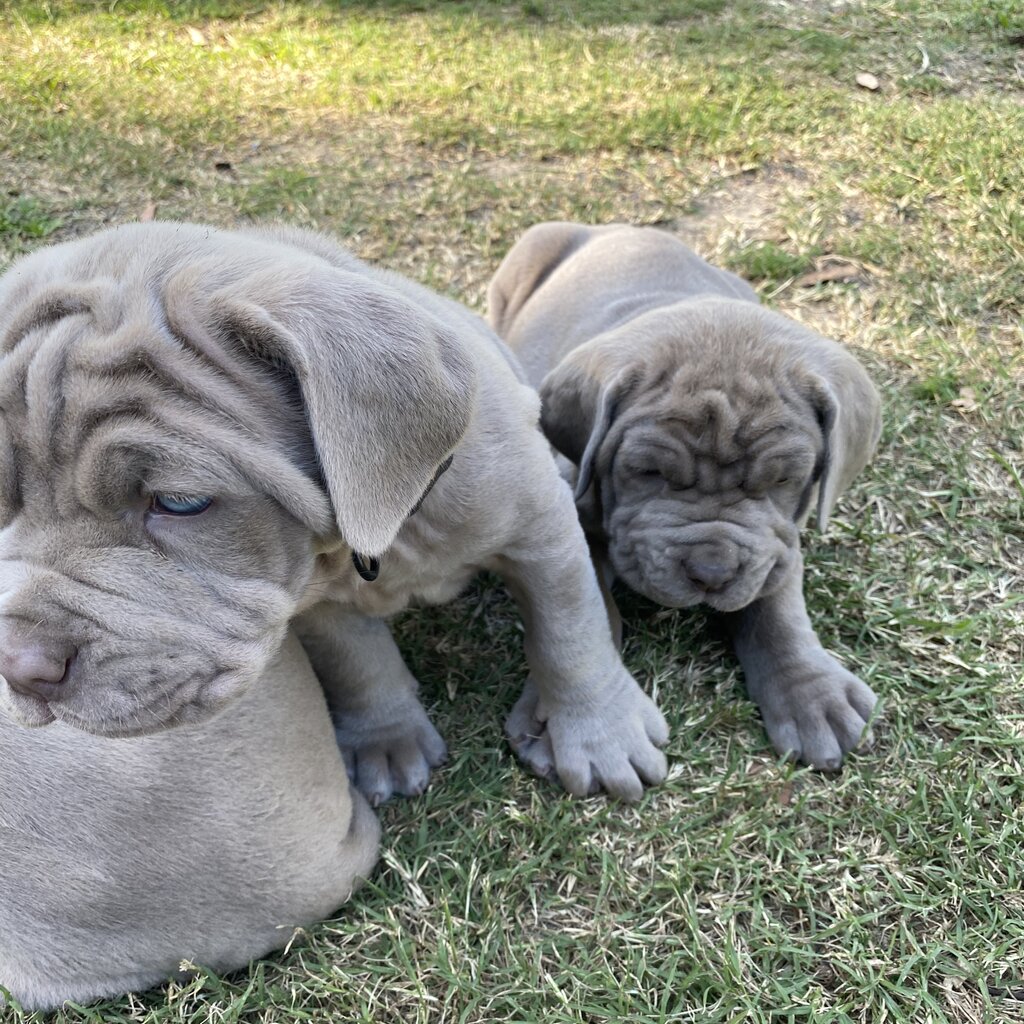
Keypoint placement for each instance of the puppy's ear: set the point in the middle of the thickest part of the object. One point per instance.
(388, 389)
(849, 416)
(578, 402)
(826, 409)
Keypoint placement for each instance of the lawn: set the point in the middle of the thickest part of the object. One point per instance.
(429, 136)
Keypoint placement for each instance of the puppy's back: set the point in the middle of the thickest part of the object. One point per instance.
(563, 284)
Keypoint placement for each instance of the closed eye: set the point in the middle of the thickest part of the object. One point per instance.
(180, 504)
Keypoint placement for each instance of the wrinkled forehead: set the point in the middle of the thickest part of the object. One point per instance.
(109, 351)
(728, 421)
(76, 355)
(104, 388)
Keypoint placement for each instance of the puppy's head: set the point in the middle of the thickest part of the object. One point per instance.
(187, 417)
(704, 432)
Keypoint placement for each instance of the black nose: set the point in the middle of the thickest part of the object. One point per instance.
(709, 576)
(32, 670)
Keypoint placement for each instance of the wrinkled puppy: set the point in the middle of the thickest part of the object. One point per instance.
(704, 428)
(205, 435)
(209, 844)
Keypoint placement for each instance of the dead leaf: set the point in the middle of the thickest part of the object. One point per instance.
(786, 793)
(866, 80)
(967, 400)
(834, 270)
(741, 169)
(148, 212)
(197, 37)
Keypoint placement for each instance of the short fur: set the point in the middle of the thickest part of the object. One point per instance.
(702, 429)
(209, 844)
(313, 398)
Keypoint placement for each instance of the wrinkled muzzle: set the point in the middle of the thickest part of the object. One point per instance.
(723, 564)
(121, 655)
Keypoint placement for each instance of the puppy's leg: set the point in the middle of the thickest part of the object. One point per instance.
(813, 708)
(385, 736)
(582, 716)
(605, 578)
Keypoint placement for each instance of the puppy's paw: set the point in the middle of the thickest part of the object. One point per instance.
(612, 745)
(820, 716)
(528, 736)
(388, 758)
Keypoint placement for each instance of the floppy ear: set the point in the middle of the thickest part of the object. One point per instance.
(826, 408)
(388, 389)
(577, 408)
(849, 416)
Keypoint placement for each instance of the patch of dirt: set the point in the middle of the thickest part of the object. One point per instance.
(972, 71)
(737, 207)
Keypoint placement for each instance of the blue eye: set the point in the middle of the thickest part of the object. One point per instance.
(180, 504)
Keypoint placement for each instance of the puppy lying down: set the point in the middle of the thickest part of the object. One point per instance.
(205, 435)
(211, 843)
(704, 429)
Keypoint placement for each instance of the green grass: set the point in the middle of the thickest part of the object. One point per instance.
(430, 135)
(767, 262)
(23, 220)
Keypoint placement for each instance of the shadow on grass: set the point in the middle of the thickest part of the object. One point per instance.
(586, 12)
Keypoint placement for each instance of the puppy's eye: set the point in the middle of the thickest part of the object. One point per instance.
(180, 504)
(782, 480)
(651, 474)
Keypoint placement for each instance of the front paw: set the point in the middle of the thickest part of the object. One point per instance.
(816, 713)
(611, 745)
(384, 758)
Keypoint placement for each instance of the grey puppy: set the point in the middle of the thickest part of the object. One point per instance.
(210, 843)
(703, 429)
(205, 435)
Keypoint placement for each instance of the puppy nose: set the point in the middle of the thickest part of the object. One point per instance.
(32, 670)
(709, 576)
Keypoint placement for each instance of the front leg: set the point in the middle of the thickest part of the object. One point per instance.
(813, 708)
(605, 578)
(582, 716)
(388, 742)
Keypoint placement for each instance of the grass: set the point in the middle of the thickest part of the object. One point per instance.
(430, 135)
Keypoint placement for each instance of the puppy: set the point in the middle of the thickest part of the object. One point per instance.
(211, 843)
(206, 435)
(703, 429)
